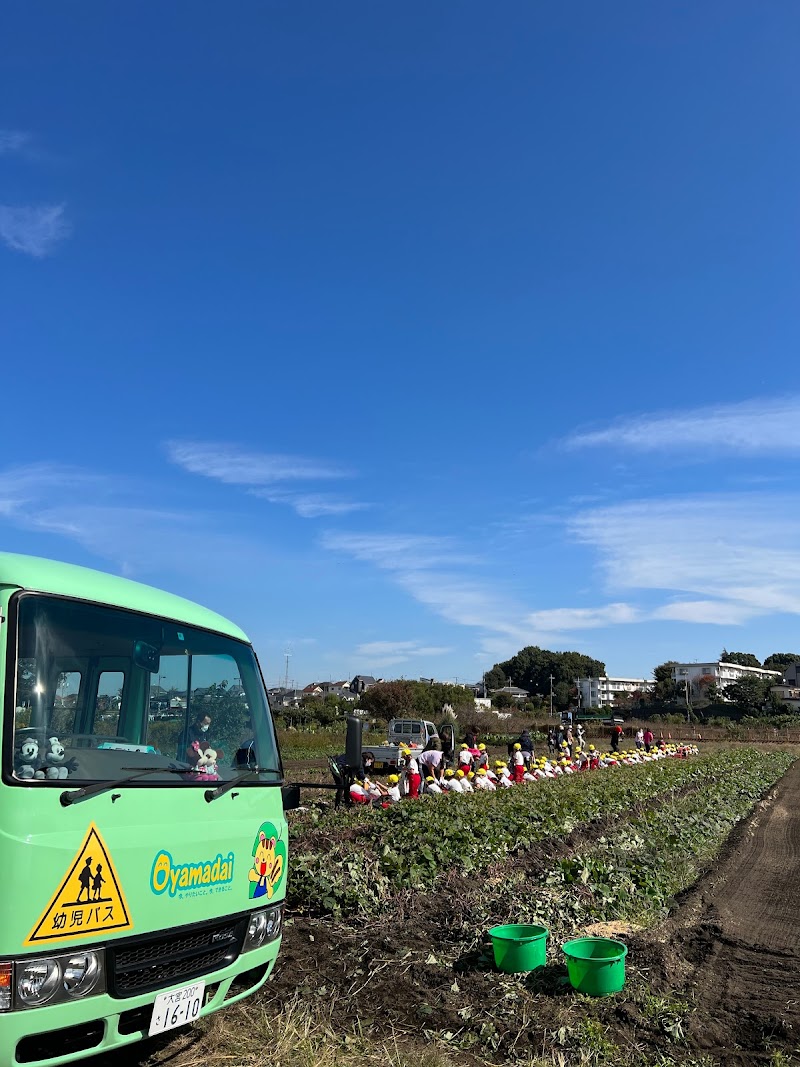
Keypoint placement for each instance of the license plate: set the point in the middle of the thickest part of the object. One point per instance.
(177, 1008)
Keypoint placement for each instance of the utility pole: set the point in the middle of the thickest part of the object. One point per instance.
(286, 654)
(551, 696)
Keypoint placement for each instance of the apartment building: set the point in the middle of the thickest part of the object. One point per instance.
(606, 692)
(721, 672)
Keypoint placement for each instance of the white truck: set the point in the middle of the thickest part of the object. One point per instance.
(417, 734)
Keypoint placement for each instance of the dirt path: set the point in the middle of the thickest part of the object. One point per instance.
(742, 938)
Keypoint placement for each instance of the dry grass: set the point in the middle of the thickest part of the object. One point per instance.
(258, 1032)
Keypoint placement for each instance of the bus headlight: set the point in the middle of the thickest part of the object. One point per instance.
(81, 973)
(264, 926)
(56, 979)
(256, 930)
(38, 981)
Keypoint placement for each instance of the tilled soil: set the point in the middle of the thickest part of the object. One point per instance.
(739, 937)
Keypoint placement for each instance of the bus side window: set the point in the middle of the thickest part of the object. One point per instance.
(108, 702)
(65, 703)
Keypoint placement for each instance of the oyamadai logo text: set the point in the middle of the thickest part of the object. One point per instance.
(168, 875)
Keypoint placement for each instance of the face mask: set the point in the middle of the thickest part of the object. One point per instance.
(204, 728)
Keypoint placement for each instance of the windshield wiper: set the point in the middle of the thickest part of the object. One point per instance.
(224, 787)
(74, 796)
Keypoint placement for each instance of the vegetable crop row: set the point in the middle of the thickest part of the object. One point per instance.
(353, 862)
(635, 872)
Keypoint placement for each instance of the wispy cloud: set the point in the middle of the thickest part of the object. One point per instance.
(560, 620)
(756, 427)
(435, 572)
(397, 551)
(32, 484)
(311, 505)
(34, 230)
(710, 612)
(102, 514)
(13, 141)
(237, 466)
(390, 653)
(732, 556)
(717, 560)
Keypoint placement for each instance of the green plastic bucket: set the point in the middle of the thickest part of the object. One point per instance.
(596, 965)
(519, 947)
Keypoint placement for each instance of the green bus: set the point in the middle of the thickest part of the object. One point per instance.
(142, 829)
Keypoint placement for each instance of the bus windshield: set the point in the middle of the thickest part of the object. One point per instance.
(101, 692)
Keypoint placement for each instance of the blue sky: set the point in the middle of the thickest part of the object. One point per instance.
(407, 335)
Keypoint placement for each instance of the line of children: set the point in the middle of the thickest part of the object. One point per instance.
(483, 778)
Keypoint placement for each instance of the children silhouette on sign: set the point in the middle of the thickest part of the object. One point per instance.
(85, 878)
(97, 883)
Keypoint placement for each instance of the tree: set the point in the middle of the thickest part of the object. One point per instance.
(503, 701)
(779, 661)
(495, 678)
(744, 659)
(562, 695)
(418, 700)
(325, 710)
(748, 693)
(532, 666)
(387, 700)
(665, 686)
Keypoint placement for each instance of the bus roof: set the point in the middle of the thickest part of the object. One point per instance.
(67, 579)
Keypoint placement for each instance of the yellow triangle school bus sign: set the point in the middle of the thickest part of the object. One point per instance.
(88, 901)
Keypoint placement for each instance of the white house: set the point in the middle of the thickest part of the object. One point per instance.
(513, 691)
(606, 692)
(721, 672)
(788, 695)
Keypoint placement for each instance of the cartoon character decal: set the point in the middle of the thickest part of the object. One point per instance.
(269, 862)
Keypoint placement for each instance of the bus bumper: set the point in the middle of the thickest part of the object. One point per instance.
(69, 1033)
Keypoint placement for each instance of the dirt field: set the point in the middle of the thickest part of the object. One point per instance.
(715, 985)
(738, 939)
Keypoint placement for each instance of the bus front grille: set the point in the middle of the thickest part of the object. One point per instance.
(160, 960)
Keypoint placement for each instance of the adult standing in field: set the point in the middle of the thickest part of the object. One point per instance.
(640, 738)
(617, 733)
(581, 734)
(471, 737)
(434, 744)
(647, 737)
(525, 742)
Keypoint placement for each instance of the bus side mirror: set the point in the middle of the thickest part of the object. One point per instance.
(291, 797)
(352, 747)
(146, 656)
